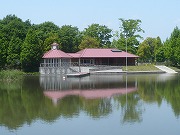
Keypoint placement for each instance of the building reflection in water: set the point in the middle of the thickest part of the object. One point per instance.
(89, 87)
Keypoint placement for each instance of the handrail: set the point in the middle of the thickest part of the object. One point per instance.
(76, 64)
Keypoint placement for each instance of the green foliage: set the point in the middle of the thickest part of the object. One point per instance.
(97, 108)
(10, 75)
(50, 40)
(160, 54)
(129, 36)
(3, 52)
(101, 33)
(32, 51)
(160, 90)
(172, 48)
(14, 49)
(149, 49)
(89, 42)
(35, 45)
(23, 44)
(141, 68)
(48, 33)
(23, 102)
(12, 34)
(48, 27)
(144, 53)
(70, 38)
(131, 108)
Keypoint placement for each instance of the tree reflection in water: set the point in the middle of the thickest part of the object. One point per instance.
(95, 92)
(27, 100)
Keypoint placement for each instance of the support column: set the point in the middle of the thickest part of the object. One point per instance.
(79, 65)
(60, 67)
(53, 62)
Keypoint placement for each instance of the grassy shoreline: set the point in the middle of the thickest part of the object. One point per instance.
(150, 68)
(13, 75)
(141, 68)
(10, 75)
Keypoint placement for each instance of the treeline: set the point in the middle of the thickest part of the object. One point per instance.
(23, 44)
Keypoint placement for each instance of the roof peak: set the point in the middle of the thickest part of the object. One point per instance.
(54, 46)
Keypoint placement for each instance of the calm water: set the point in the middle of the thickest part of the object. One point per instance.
(92, 105)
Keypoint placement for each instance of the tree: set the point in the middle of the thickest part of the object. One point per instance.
(129, 35)
(89, 42)
(159, 51)
(160, 54)
(101, 33)
(172, 48)
(3, 53)
(70, 38)
(114, 43)
(144, 52)
(12, 34)
(32, 51)
(148, 49)
(50, 40)
(48, 32)
(14, 49)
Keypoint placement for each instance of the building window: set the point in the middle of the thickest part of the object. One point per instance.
(87, 61)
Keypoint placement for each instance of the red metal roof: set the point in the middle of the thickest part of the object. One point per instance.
(104, 53)
(89, 53)
(74, 55)
(56, 54)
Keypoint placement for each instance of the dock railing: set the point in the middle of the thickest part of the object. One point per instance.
(74, 67)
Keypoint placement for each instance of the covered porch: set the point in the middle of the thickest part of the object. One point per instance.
(104, 61)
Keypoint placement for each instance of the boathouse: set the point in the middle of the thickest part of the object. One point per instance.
(106, 56)
(56, 61)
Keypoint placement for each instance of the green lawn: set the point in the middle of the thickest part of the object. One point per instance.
(141, 68)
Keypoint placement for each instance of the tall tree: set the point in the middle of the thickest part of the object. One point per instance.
(129, 35)
(89, 42)
(3, 53)
(48, 31)
(101, 33)
(70, 38)
(52, 37)
(159, 50)
(13, 32)
(32, 51)
(14, 49)
(144, 52)
(160, 54)
(148, 49)
(172, 47)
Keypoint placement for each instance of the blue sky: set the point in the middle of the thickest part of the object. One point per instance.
(159, 17)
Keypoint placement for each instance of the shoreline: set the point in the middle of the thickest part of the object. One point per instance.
(129, 72)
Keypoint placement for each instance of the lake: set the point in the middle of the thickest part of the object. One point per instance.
(146, 104)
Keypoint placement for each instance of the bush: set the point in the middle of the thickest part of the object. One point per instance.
(9, 75)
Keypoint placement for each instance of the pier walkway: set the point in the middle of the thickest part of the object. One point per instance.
(166, 69)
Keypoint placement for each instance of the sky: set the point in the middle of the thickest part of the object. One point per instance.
(159, 17)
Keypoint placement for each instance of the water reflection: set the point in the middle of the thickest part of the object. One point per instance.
(91, 94)
(89, 87)
(49, 98)
(88, 82)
